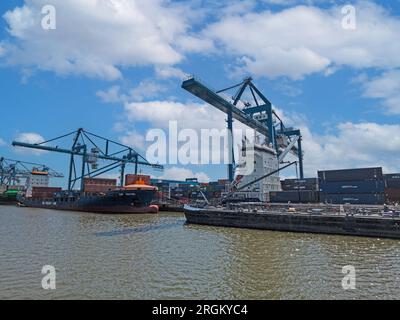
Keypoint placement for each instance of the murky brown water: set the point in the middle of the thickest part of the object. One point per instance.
(159, 257)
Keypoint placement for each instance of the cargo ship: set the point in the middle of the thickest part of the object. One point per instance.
(379, 224)
(131, 199)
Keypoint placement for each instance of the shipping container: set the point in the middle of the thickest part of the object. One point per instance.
(392, 195)
(100, 181)
(92, 188)
(392, 176)
(392, 183)
(364, 174)
(300, 184)
(44, 192)
(15, 187)
(352, 187)
(294, 197)
(300, 181)
(366, 199)
(313, 187)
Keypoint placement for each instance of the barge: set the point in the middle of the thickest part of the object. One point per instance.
(315, 221)
(132, 199)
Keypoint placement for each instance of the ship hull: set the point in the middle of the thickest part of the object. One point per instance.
(8, 200)
(115, 202)
(378, 227)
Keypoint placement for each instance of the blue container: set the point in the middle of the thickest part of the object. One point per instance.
(294, 197)
(392, 183)
(368, 199)
(392, 176)
(363, 174)
(352, 187)
(310, 184)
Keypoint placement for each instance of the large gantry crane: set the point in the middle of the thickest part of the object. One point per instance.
(258, 115)
(92, 148)
(12, 171)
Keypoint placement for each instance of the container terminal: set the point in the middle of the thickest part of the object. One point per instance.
(329, 198)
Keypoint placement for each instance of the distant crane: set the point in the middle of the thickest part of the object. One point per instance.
(12, 171)
(92, 148)
(258, 115)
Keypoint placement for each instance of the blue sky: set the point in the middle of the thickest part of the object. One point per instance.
(116, 68)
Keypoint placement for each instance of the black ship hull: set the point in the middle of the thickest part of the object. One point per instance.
(379, 227)
(114, 202)
(4, 200)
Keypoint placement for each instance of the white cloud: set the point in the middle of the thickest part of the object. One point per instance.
(133, 139)
(2, 142)
(111, 95)
(146, 89)
(178, 173)
(32, 138)
(353, 145)
(96, 38)
(387, 88)
(190, 115)
(170, 72)
(347, 145)
(302, 40)
(350, 145)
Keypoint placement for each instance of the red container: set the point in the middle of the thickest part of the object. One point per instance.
(392, 195)
(100, 182)
(44, 192)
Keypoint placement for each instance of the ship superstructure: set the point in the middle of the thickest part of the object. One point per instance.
(256, 161)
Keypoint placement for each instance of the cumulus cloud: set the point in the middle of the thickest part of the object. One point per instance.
(302, 40)
(110, 95)
(133, 139)
(170, 72)
(352, 145)
(188, 115)
(179, 173)
(146, 89)
(95, 38)
(387, 88)
(29, 137)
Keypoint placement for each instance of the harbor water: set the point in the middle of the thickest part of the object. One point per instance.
(161, 257)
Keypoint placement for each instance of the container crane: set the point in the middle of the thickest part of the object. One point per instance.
(92, 148)
(258, 115)
(12, 171)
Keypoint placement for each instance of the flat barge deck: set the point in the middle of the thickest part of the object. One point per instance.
(275, 220)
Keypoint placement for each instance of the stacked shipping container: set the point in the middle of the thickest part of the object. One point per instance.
(352, 186)
(96, 185)
(297, 191)
(392, 188)
(44, 192)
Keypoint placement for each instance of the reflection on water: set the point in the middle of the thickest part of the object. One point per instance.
(160, 257)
